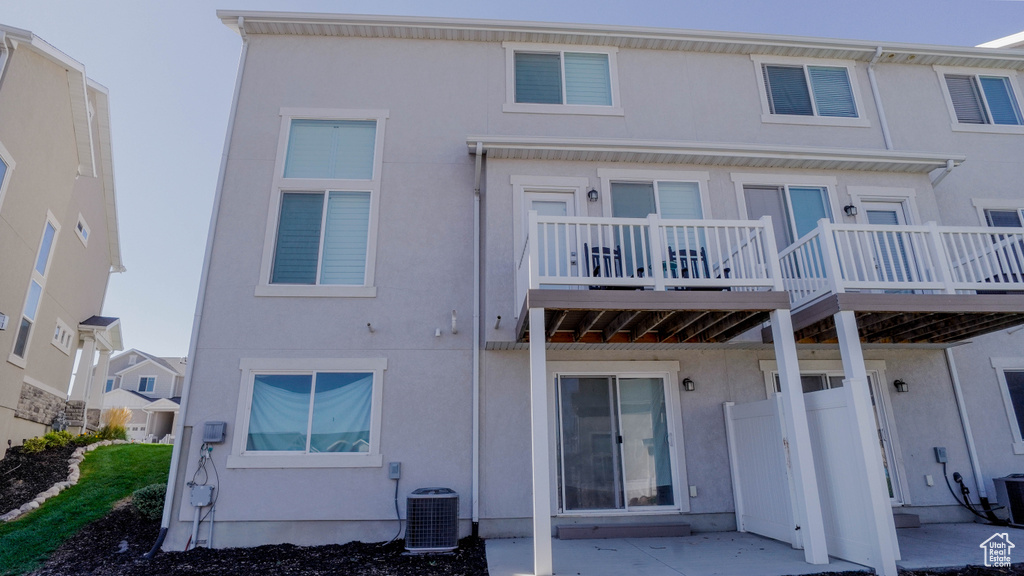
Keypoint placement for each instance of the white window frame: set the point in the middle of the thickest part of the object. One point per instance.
(139, 385)
(830, 183)
(282, 185)
(82, 230)
(860, 121)
(240, 458)
(981, 205)
(510, 80)
(21, 361)
(5, 181)
(109, 385)
(669, 370)
(955, 123)
(905, 196)
(609, 175)
(1001, 365)
(62, 337)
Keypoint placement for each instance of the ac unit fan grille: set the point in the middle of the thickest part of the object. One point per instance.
(1015, 493)
(432, 523)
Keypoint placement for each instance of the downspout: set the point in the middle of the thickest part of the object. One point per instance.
(972, 451)
(5, 55)
(945, 172)
(878, 98)
(476, 338)
(172, 477)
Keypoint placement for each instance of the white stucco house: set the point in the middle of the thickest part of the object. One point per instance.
(603, 275)
(148, 385)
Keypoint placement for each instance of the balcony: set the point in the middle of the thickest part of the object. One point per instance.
(647, 280)
(908, 284)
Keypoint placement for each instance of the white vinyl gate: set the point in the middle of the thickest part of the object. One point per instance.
(760, 480)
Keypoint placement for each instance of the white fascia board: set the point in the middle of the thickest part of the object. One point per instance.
(360, 25)
(1011, 41)
(143, 363)
(705, 153)
(107, 162)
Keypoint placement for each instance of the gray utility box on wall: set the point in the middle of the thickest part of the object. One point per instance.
(1010, 493)
(432, 520)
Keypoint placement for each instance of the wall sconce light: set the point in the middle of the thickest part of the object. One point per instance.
(592, 195)
(688, 385)
(900, 385)
(850, 210)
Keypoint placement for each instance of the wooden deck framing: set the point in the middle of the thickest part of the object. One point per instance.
(646, 316)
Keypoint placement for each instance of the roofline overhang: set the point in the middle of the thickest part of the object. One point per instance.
(709, 154)
(109, 335)
(461, 29)
(107, 162)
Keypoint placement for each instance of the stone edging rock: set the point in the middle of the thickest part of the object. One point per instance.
(73, 474)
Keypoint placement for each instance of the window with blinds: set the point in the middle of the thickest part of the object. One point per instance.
(981, 99)
(573, 78)
(802, 90)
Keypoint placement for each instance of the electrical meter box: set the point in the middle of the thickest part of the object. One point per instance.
(202, 495)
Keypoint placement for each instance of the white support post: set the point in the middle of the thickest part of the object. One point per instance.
(83, 374)
(830, 256)
(943, 271)
(804, 482)
(533, 238)
(882, 529)
(654, 233)
(542, 564)
(95, 391)
(771, 254)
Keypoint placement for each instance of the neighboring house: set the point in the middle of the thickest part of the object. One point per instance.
(58, 234)
(587, 275)
(148, 385)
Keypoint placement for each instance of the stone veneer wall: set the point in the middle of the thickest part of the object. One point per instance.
(38, 405)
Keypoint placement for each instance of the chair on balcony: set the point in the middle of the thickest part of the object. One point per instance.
(602, 262)
(692, 264)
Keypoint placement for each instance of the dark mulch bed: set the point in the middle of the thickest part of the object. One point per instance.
(96, 550)
(23, 476)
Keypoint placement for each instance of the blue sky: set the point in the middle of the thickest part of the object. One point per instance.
(170, 68)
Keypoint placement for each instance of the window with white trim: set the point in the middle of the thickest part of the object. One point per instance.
(795, 210)
(147, 383)
(322, 223)
(62, 336)
(309, 413)
(109, 386)
(1004, 218)
(36, 285)
(983, 99)
(6, 168)
(557, 79)
(82, 230)
(1010, 374)
(820, 92)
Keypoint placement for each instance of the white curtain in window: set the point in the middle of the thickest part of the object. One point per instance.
(341, 412)
(345, 236)
(280, 412)
(334, 149)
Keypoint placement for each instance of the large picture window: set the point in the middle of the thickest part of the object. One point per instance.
(321, 229)
(309, 413)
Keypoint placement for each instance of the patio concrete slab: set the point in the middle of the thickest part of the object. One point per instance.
(950, 545)
(705, 554)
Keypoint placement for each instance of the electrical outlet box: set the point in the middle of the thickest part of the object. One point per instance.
(201, 495)
(940, 454)
(929, 480)
(394, 470)
(693, 491)
(213, 432)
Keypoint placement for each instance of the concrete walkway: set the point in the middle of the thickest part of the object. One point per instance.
(735, 553)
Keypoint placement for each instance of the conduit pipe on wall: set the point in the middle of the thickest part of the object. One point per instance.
(201, 299)
(476, 337)
(972, 451)
(878, 99)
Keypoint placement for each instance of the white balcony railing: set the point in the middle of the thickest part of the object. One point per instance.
(573, 252)
(836, 258)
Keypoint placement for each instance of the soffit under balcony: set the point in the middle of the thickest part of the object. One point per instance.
(633, 37)
(647, 317)
(709, 154)
(900, 319)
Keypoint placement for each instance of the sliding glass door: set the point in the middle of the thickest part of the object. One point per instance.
(613, 444)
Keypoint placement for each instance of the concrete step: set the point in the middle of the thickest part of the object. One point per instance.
(906, 520)
(580, 532)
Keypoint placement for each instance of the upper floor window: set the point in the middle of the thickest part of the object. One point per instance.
(981, 100)
(109, 386)
(36, 285)
(321, 230)
(793, 91)
(795, 202)
(147, 383)
(82, 230)
(553, 79)
(6, 167)
(1005, 218)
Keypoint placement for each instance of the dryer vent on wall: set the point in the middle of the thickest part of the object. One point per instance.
(432, 520)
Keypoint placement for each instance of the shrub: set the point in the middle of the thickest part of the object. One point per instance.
(57, 439)
(111, 432)
(33, 445)
(117, 417)
(149, 501)
(85, 439)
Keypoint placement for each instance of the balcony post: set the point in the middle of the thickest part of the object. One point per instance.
(943, 271)
(803, 481)
(532, 242)
(771, 253)
(654, 233)
(542, 563)
(830, 256)
(881, 529)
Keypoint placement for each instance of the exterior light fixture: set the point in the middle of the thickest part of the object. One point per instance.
(592, 195)
(688, 385)
(850, 210)
(900, 385)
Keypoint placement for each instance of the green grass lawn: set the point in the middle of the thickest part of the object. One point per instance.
(109, 474)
